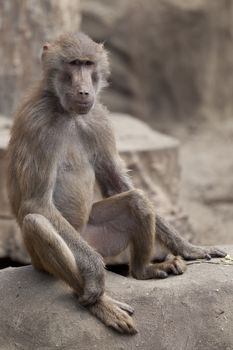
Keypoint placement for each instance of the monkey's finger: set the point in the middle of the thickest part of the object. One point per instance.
(125, 328)
(203, 253)
(123, 324)
(123, 306)
(129, 309)
(217, 253)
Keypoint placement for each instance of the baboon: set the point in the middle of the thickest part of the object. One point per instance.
(62, 145)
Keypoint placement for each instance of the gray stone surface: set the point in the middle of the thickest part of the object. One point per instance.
(11, 245)
(171, 59)
(193, 312)
(25, 26)
(151, 156)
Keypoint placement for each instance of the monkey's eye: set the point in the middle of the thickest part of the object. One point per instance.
(75, 63)
(79, 63)
(88, 63)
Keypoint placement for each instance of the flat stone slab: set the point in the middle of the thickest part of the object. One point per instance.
(193, 311)
(135, 135)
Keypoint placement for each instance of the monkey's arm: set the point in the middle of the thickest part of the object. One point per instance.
(110, 170)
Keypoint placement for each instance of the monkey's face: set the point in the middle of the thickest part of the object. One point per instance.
(75, 86)
(75, 68)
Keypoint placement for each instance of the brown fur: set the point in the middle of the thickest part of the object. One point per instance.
(62, 143)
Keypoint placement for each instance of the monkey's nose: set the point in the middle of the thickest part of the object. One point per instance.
(83, 93)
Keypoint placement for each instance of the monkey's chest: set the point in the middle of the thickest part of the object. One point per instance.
(76, 167)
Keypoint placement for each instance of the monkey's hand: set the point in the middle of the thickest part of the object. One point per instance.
(192, 252)
(94, 279)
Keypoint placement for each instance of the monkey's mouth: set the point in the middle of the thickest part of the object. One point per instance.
(78, 107)
(83, 108)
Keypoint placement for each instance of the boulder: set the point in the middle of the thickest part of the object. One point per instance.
(11, 245)
(170, 59)
(192, 311)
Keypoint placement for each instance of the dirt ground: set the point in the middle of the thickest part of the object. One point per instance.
(206, 158)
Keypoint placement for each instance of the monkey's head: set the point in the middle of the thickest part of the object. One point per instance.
(75, 68)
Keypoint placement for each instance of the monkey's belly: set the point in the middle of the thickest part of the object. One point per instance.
(159, 253)
(73, 196)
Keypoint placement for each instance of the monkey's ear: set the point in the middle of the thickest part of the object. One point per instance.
(100, 47)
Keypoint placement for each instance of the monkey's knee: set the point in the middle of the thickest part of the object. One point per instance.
(32, 230)
(45, 245)
(29, 227)
(140, 203)
(37, 227)
(30, 222)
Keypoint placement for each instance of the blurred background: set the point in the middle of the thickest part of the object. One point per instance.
(170, 94)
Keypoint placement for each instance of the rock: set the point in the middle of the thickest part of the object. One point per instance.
(5, 125)
(11, 245)
(193, 311)
(153, 161)
(151, 157)
(170, 59)
(25, 26)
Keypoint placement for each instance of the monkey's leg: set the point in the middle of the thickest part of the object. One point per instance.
(129, 219)
(51, 253)
(171, 239)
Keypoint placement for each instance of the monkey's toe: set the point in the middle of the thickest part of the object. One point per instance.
(160, 274)
(154, 271)
(174, 265)
(178, 265)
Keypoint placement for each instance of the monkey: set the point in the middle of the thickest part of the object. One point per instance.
(62, 145)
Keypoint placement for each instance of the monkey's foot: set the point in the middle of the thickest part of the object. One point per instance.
(192, 252)
(113, 316)
(173, 265)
